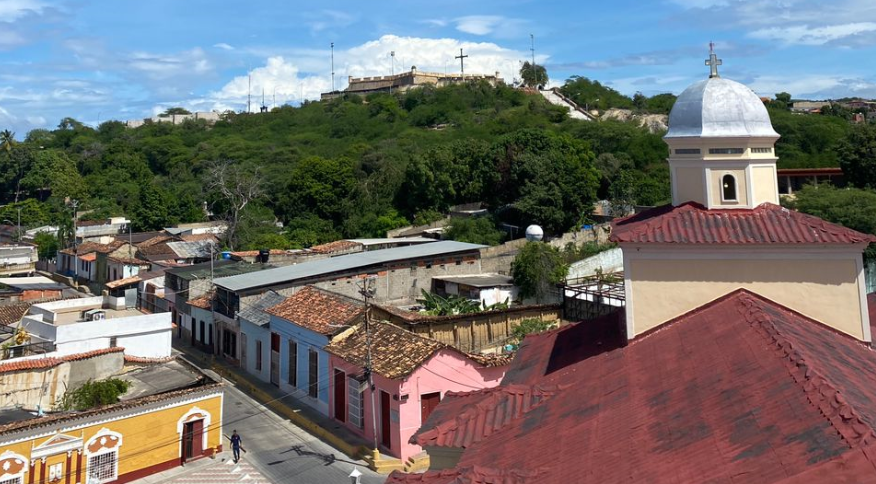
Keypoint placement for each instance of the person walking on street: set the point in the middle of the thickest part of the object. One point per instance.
(235, 445)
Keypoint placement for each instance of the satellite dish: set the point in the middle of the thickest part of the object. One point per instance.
(534, 233)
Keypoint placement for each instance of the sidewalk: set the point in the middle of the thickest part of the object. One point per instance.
(310, 420)
(209, 471)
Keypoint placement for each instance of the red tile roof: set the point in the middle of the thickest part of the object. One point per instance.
(395, 352)
(203, 302)
(465, 418)
(469, 475)
(254, 253)
(13, 313)
(318, 310)
(336, 246)
(40, 363)
(691, 223)
(739, 390)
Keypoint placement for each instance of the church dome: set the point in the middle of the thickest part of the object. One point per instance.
(719, 108)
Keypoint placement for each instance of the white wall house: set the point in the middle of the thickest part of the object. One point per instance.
(87, 324)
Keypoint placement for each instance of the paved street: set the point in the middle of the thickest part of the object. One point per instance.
(283, 452)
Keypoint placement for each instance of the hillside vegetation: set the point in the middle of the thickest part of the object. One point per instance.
(357, 167)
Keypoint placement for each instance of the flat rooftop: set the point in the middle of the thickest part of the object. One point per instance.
(159, 378)
(74, 314)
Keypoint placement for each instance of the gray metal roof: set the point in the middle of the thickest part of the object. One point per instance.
(221, 268)
(191, 250)
(717, 108)
(479, 280)
(342, 263)
(255, 313)
(396, 240)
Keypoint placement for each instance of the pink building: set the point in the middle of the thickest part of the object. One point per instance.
(411, 375)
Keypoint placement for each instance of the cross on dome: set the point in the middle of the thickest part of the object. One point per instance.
(713, 61)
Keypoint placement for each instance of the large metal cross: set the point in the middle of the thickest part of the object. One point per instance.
(713, 61)
(461, 63)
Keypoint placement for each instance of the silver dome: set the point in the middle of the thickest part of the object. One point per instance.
(719, 108)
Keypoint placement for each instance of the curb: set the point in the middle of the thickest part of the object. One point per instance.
(350, 450)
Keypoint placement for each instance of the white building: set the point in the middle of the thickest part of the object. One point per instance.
(94, 323)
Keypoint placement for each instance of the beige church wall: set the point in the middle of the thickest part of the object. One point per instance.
(689, 185)
(765, 184)
(741, 189)
(825, 290)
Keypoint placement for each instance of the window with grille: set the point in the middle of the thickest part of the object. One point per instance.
(357, 403)
(103, 467)
(761, 150)
(293, 363)
(313, 373)
(687, 151)
(14, 480)
(726, 151)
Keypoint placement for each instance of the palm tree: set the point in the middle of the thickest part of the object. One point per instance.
(7, 140)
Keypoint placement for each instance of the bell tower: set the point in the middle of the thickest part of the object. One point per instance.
(721, 145)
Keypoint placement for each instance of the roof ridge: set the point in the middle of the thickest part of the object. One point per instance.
(820, 391)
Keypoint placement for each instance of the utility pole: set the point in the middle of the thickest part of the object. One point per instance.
(367, 292)
(249, 94)
(333, 67)
(391, 71)
(18, 231)
(532, 48)
(75, 203)
(461, 63)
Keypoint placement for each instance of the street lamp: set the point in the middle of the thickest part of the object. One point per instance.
(355, 476)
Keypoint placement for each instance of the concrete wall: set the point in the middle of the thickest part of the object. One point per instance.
(498, 259)
(473, 333)
(46, 387)
(253, 333)
(609, 261)
(306, 340)
(397, 283)
(827, 287)
(147, 336)
(445, 371)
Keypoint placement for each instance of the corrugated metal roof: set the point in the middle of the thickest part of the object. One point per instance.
(255, 313)
(191, 250)
(342, 263)
(479, 280)
(691, 223)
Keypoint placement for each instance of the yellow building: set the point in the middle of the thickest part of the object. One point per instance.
(146, 433)
(725, 230)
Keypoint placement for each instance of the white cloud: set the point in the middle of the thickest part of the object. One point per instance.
(329, 19)
(309, 74)
(494, 25)
(12, 10)
(223, 46)
(805, 35)
(815, 86)
(166, 67)
(478, 24)
(9, 38)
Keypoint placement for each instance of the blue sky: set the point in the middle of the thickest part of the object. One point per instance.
(119, 59)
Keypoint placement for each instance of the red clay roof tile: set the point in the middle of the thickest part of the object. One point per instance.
(318, 310)
(39, 363)
(739, 390)
(691, 223)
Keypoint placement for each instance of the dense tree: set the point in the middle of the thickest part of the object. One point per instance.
(171, 111)
(537, 269)
(47, 245)
(533, 75)
(474, 230)
(851, 207)
(593, 95)
(857, 156)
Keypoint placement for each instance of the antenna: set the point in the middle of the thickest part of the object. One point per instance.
(263, 108)
(249, 94)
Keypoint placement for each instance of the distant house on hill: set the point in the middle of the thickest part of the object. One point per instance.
(405, 81)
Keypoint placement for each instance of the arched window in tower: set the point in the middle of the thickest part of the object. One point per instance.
(728, 188)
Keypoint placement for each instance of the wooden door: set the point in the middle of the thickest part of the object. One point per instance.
(187, 441)
(340, 395)
(243, 351)
(385, 422)
(428, 402)
(197, 438)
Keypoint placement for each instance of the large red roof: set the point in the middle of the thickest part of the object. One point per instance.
(739, 390)
(691, 223)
